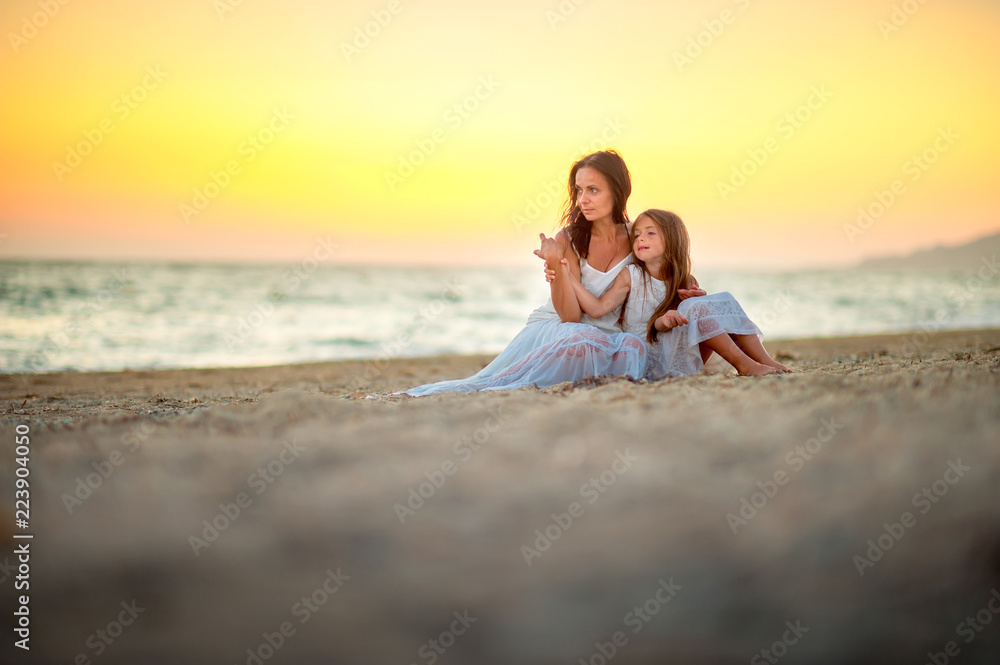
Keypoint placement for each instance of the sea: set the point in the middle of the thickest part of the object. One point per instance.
(89, 316)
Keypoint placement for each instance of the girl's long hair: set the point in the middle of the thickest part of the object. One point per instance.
(611, 165)
(676, 267)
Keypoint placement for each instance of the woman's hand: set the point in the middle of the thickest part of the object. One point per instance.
(550, 250)
(672, 319)
(684, 294)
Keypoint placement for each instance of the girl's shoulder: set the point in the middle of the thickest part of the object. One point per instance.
(644, 282)
(625, 274)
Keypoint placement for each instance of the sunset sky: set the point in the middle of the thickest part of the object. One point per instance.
(228, 130)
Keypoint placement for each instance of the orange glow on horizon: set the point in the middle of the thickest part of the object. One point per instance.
(201, 131)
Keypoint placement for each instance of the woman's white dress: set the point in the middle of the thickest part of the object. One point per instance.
(548, 351)
(676, 352)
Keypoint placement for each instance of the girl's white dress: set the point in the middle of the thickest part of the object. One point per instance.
(548, 351)
(676, 351)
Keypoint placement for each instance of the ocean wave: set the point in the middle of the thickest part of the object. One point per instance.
(73, 315)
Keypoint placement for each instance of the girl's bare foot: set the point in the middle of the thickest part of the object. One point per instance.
(751, 346)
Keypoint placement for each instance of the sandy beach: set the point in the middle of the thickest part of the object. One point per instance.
(848, 513)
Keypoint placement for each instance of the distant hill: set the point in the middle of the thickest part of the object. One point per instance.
(967, 257)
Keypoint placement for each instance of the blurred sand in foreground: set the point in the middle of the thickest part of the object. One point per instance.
(849, 513)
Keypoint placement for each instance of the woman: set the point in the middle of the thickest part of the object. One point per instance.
(561, 343)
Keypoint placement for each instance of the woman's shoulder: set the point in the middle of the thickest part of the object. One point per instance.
(566, 242)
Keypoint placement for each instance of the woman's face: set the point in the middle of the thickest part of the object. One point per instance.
(648, 241)
(593, 194)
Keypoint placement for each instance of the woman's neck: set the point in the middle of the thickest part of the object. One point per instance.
(604, 228)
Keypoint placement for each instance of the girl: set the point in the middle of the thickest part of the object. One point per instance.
(682, 334)
(560, 343)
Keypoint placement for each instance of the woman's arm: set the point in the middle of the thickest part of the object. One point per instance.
(694, 290)
(554, 251)
(612, 298)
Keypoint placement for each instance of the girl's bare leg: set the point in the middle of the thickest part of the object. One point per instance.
(725, 346)
(750, 345)
(706, 352)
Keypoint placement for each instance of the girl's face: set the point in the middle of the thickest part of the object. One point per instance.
(648, 241)
(593, 194)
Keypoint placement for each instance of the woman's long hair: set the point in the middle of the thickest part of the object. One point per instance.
(676, 267)
(611, 165)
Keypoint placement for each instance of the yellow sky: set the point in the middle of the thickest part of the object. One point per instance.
(246, 130)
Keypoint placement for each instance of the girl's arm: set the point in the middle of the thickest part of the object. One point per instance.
(671, 319)
(611, 300)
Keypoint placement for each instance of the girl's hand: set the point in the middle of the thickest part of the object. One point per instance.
(550, 250)
(684, 294)
(672, 319)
